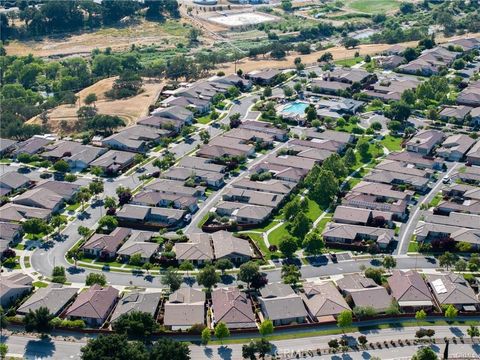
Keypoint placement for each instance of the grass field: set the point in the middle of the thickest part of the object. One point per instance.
(392, 143)
(374, 6)
(276, 235)
(349, 62)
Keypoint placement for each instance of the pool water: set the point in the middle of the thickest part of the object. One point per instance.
(296, 107)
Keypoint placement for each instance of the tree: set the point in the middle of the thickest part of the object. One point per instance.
(193, 35)
(38, 320)
(389, 262)
(109, 222)
(349, 42)
(363, 148)
(266, 327)
(113, 347)
(206, 336)
(447, 259)
(3, 319)
(473, 331)
(3, 348)
(325, 188)
(290, 274)
(287, 91)
(292, 208)
(362, 340)
(313, 242)
(451, 312)
(58, 275)
(61, 166)
(288, 246)
(300, 225)
(83, 231)
(399, 111)
(223, 265)
(96, 187)
(420, 315)
(286, 5)
(263, 347)
(374, 274)
(57, 221)
(344, 319)
(407, 8)
(333, 344)
(94, 278)
(248, 272)
(83, 195)
(109, 203)
(90, 99)
(335, 164)
(249, 351)
(172, 279)
(208, 277)
(326, 57)
(221, 331)
(124, 194)
(35, 226)
(267, 91)
(425, 353)
(204, 136)
(186, 266)
(349, 159)
(135, 324)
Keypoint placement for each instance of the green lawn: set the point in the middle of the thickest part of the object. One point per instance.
(392, 143)
(73, 207)
(276, 235)
(314, 210)
(373, 6)
(258, 239)
(40, 284)
(413, 246)
(349, 62)
(19, 247)
(27, 261)
(436, 200)
(323, 223)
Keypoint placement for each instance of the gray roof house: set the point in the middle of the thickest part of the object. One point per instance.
(40, 198)
(351, 234)
(233, 307)
(54, 297)
(364, 292)
(174, 187)
(135, 138)
(453, 289)
(10, 232)
(410, 290)
(424, 141)
(197, 250)
(455, 147)
(13, 287)
(19, 213)
(243, 213)
(31, 146)
(473, 155)
(227, 246)
(457, 113)
(147, 216)
(106, 246)
(137, 301)
(12, 181)
(282, 305)
(184, 308)
(93, 305)
(77, 155)
(359, 216)
(174, 112)
(198, 163)
(324, 302)
(114, 161)
(138, 243)
(6, 145)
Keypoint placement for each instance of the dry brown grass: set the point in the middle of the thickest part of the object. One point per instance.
(130, 109)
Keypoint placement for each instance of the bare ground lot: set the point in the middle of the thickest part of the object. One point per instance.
(130, 109)
(167, 34)
(338, 52)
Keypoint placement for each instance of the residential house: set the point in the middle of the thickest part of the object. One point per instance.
(397, 208)
(185, 307)
(6, 146)
(390, 87)
(282, 305)
(417, 160)
(114, 161)
(138, 244)
(31, 146)
(323, 301)
(279, 134)
(359, 216)
(175, 112)
(155, 198)
(425, 141)
(137, 138)
(470, 96)
(452, 289)
(222, 146)
(210, 178)
(418, 183)
(260, 198)
(232, 307)
(475, 114)
(332, 135)
(93, 305)
(410, 291)
(355, 234)
(430, 62)
(106, 246)
(137, 302)
(455, 147)
(263, 77)
(466, 44)
(10, 233)
(77, 155)
(198, 163)
(473, 155)
(364, 292)
(243, 213)
(226, 246)
(173, 187)
(197, 250)
(271, 186)
(382, 192)
(12, 181)
(198, 105)
(147, 217)
(390, 62)
(20, 213)
(14, 287)
(54, 297)
(41, 198)
(457, 114)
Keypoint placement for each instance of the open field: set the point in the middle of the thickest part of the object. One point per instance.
(166, 35)
(128, 109)
(373, 6)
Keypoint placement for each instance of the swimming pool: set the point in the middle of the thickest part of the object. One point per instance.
(295, 108)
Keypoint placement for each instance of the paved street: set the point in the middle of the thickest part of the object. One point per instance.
(31, 347)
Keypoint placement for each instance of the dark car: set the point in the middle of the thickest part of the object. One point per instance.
(333, 257)
(45, 175)
(24, 170)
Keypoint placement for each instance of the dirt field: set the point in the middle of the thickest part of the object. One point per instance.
(167, 34)
(338, 52)
(128, 109)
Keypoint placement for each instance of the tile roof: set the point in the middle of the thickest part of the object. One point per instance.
(95, 302)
